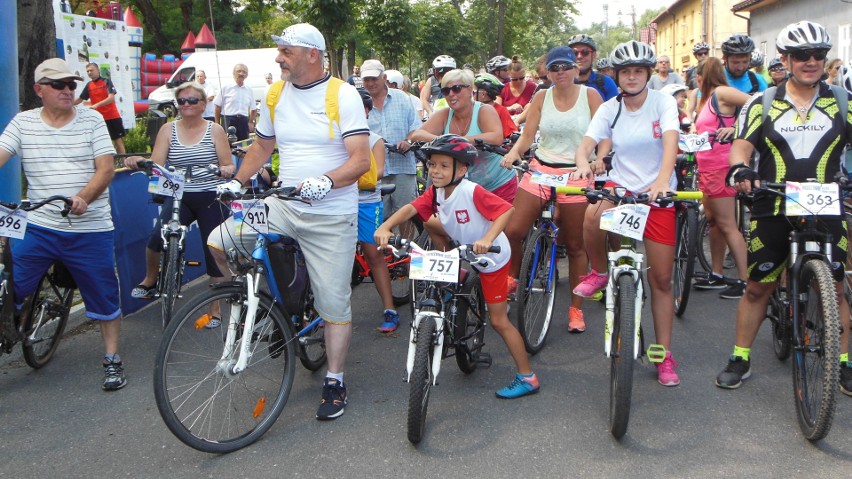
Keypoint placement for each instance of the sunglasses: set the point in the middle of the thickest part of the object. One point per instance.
(701, 54)
(501, 69)
(582, 53)
(805, 55)
(777, 69)
(455, 89)
(542, 77)
(191, 100)
(516, 79)
(60, 85)
(560, 67)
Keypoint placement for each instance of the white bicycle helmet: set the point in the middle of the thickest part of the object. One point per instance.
(602, 64)
(738, 44)
(394, 76)
(700, 47)
(673, 89)
(497, 62)
(633, 53)
(803, 35)
(844, 76)
(756, 59)
(775, 62)
(444, 62)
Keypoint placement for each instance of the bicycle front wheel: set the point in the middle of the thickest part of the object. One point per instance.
(536, 290)
(44, 323)
(171, 276)
(686, 244)
(312, 344)
(202, 400)
(621, 356)
(816, 364)
(420, 382)
(469, 327)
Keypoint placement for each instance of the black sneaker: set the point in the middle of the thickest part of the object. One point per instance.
(734, 291)
(333, 400)
(846, 378)
(713, 281)
(114, 376)
(734, 373)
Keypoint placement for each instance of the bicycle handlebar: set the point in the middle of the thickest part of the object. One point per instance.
(595, 194)
(416, 145)
(465, 251)
(28, 206)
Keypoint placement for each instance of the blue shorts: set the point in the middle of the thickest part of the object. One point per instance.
(370, 217)
(88, 256)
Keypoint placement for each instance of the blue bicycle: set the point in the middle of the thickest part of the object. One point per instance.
(221, 389)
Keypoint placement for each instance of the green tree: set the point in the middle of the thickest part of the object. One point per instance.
(389, 25)
(441, 30)
(336, 19)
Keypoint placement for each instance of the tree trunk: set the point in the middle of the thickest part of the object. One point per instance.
(152, 25)
(35, 28)
(501, 24)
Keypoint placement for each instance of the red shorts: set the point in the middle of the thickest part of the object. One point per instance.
(495, 287)
(660, 227)
(712, 183)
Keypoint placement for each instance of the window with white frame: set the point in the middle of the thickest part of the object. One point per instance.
(844, 41)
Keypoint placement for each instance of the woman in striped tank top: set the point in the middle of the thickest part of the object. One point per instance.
(189, 141)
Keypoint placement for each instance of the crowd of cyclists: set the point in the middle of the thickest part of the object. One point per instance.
(578, 107)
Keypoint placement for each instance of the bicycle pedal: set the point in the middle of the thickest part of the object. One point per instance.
(656, 353)
(484, 360)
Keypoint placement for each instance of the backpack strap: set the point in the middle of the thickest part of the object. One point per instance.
(841, 96)
(600, 81)
(755, 86)
(768, 96)
(272, 97)
(332, 103)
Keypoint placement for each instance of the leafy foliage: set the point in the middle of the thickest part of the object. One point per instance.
(390, 26)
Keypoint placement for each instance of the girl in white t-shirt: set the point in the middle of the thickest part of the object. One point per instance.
(643, 126)
(470, 214)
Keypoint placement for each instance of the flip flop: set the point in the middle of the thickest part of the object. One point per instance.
(140, 291)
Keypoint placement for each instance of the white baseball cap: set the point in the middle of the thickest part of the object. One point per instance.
(300, 35)
(372, 69)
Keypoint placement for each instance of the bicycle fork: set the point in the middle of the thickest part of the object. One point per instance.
(438, 341)
(226, 362)
(616, 270)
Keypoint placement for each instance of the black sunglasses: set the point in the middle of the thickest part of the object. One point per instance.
(805, 55)
(191, 100)
(584, 52)
(455, 89)
(777, 69)
(560, 67)
(60, 85)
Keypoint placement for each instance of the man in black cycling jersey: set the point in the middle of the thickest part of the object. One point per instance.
(802, 137)
(587, 52)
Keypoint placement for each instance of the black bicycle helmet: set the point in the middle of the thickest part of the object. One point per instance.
(700, 47)
(582, 39)
(366, 99)
(489, 83)
(738, 44)
(633, 53)
(775, 62)
(451, 145)
(803, 35)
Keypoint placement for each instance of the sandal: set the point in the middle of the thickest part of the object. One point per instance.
(214, 322)
(140, 291)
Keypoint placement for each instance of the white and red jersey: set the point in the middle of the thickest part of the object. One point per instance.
(467, 215)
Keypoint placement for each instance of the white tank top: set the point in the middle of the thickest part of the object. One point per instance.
(561, 131)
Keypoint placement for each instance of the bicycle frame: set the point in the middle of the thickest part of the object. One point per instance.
(545, 222)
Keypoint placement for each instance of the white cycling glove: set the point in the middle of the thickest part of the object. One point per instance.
(315, 188)
(229, 189)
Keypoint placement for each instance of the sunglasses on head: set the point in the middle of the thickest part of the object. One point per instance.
(582, 52)
(60, 85)
(805, 55)
(560, 67)
(455, 89)
(191, 100)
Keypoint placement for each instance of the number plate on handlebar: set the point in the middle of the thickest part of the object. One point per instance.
(166, 184)
(545, 179)
(804, 199)
(13, 223)
(434, 265)
(692, 142)
(250, 216)
(626, 220)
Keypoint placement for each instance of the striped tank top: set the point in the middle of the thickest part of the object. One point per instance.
(198, 156)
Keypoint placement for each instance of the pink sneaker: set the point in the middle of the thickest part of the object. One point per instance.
(576, 324)
(666, 374)
(591, 284)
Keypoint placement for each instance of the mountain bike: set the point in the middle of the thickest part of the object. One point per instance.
(42, 321)
(449, 320)
(219, 390)
(686, 220)
(625, 295)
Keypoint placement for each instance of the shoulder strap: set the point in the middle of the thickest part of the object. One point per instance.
(600, 82)
(714, 103)
(841, 96)
(768, 96)
(272, 97)
(332, 103)
(755, 86)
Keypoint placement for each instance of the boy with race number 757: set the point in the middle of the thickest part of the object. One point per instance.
(471, 214)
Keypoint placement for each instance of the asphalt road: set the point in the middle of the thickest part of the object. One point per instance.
(57, 422)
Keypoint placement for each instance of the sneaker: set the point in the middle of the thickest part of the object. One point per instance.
(333, 400)
(140, 291)
(576, 324)
(113, 376)
(734, 373)
(561, 251)
(666, 374)
(591, 284)
(391, 321)
(713, 281)
(734, 291)
(521, 386)
(846, 378)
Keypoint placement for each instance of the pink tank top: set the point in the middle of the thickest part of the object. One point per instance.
(708, 121)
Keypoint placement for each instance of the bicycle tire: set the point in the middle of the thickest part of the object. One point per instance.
(312, 352)
(171, 276)
(45, 321)
(470, 326)
(425, 242)
(779, 319)
(621, 356)
(420, 382)
(816, 368)
(686, 244)
(535, 294)
(201, 401)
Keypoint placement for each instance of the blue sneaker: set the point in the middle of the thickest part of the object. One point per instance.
(521, 386)
(391, 321)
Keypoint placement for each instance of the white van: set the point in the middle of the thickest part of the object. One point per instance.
(219, 67)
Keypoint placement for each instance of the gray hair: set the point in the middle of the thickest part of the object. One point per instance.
(192, 85)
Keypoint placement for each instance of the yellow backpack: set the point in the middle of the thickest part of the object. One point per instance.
(332, 110)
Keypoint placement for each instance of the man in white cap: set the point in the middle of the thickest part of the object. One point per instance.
(324, 157)
(67, 151)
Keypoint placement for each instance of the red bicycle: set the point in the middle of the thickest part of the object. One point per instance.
(398, 267)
